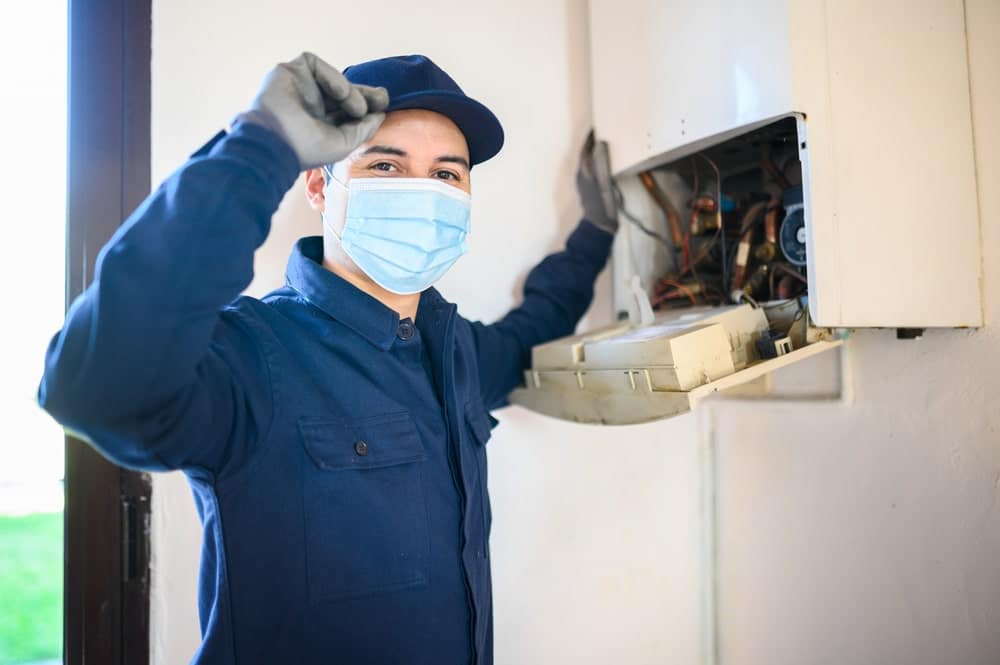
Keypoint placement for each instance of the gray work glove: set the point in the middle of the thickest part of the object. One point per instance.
(593, 184)
(321, 115)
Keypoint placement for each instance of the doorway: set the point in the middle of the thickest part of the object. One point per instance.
(33, 67)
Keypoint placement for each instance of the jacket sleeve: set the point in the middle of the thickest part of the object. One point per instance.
(151, 366)
(557, 293)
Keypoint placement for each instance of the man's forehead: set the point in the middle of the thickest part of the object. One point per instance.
(415, 126)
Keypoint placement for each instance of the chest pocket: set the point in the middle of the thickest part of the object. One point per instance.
(366, 521)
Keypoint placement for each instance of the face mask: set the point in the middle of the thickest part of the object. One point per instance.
(404, 233)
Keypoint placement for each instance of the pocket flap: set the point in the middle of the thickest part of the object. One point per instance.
(361, 443)
(481, 422)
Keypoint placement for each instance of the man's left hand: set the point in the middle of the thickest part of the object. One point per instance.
(593, 184)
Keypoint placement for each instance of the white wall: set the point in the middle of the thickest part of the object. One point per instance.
(596, 533)
(871, 533)
(860, 534)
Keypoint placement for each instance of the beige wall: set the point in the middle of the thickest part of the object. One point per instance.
(867, 533)
(596, 532)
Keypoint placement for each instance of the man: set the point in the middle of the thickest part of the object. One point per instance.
(333, 432)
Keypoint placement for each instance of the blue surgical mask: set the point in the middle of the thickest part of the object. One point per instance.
(404, 233)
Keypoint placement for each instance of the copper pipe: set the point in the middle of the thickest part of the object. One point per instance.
(771, 223)
(768, 250)
(757, 279)
(751, 216)
(699, 205)
(673, 219)
(743, 248)
(785, 286)
(789, 278)
(789, 287)
(742, 259)
(765, 252)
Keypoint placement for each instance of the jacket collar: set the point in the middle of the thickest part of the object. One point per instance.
(346, 303)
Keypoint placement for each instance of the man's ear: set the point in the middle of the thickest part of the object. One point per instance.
(315, 183)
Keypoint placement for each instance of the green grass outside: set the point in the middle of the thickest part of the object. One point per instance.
(31, 576)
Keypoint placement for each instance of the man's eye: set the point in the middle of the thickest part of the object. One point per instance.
(383, 166)
(446, 175)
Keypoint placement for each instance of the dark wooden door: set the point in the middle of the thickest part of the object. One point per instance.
(106, 605)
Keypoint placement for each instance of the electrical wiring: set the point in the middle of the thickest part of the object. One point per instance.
(664, 203)
(718, 204)
(686, 252)
(693, 266)
(687, 263)
(669, 296)
(801, 314)
(628, 237)
(736, 262)
(620, 200)
(703, 254)
(788, 270)
(741, 187)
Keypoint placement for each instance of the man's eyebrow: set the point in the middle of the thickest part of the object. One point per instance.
(384, 150)
(455, 159)
(399, 152)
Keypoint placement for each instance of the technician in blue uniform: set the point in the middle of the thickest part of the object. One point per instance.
(333, 432)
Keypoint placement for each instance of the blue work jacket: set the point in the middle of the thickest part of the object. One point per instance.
(336, 453)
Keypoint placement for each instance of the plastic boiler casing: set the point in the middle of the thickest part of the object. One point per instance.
(879, 94)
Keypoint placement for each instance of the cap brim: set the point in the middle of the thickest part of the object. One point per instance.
(482, 130)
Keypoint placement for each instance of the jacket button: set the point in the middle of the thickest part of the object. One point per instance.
(361, 448)
(405, 330)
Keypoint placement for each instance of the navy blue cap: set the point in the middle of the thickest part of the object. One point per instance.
(414, 82)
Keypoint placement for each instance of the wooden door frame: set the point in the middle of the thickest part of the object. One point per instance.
(106, 582)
